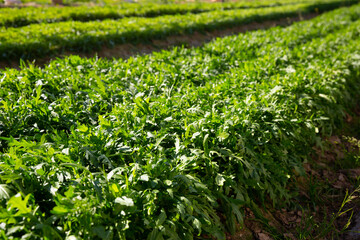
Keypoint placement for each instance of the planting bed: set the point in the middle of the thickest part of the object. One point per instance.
(38, 40)
(15, 17)
(180, 144)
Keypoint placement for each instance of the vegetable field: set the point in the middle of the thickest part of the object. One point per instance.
(38, 40)
(172, 145)
(26, 16)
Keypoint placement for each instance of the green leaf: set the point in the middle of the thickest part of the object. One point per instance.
(236, 211)
(125, 201)
(72, 237)
(197, 225)
(195, 135)
(4, 191)
(65, 151)
(222, 136)
(161, 219)
(144, 178)
(155, 235)
(206, 146)
(101, 232)
(59, 210)
(82, 128)
(219, 180)
(20, 204)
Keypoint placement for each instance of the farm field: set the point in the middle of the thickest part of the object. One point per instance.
(25, 16)
(38, 40)
(178, 144)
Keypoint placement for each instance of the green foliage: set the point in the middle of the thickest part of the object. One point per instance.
(17, 17)
(160, 146)
(53, 38)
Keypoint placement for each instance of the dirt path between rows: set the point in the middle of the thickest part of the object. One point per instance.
(194, 40)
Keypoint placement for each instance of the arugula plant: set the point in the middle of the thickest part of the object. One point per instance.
(174, 144)
(37, 40)
(18, 17)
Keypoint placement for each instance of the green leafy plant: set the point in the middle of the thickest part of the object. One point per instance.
(173, 144)
(38, 40)
(17, 17)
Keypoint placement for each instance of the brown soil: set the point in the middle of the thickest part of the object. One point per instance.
(194, 40)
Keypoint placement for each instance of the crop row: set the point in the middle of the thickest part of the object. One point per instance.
(53, 38)
(25, 16)
(158, 146)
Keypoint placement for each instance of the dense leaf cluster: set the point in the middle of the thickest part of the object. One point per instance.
(53, 38)
(160, 146)
(18, 17)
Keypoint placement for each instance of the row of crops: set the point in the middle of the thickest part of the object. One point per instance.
(38, 40)
(161, 146)
(25, 16)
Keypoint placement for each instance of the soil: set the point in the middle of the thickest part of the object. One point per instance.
(194, 40)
